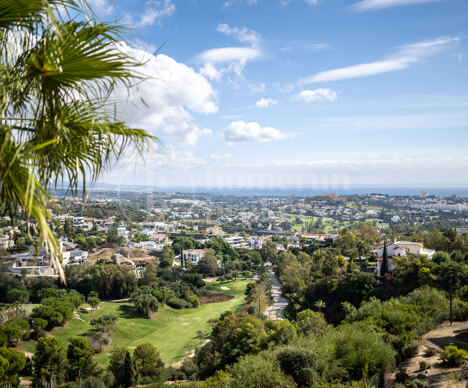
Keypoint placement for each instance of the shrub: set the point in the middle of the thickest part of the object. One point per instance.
(18, 296)
(258, 371)
(401, 376)
(178, 303)
(418, 384)
(452, 356)
(105, 322)
(429, 352)
(299, 363)
(356, 347)
(253, 309)
(423, 365)
(460, 312)
(194, 301)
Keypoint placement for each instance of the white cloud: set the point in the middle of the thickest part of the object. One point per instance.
(154, 11)
(247, 2)
(219, 61)
(166, 100)
(309, 2)
(231, 117)
(316, 95)
(265, 102)
(284, 88)
(218, 156)
(102, 7)
(405, 56)
(234, 60)
(243, 35)
(301, 46)
(229, 54)
(240, 131)
(257, 88)
(372, 5)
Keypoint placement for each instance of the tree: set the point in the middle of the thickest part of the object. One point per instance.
(384, 266)
(116, 363)
(18, 296)
(311, 322)
(94, 302)
(57, 121)
(48, 313)
(79, 355)
(14, 362)
(130, 373)
(282, 332)
(14, 329)
(144, 300)
(148, 361)
(320, 305)
(441, 257)
(149, 275)
(268, 250)
(168, 257)
(300, 364)
(208, 264)
(49, 360)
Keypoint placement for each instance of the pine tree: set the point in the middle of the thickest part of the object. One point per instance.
(384, 267)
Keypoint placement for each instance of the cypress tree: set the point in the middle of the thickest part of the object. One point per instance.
(384, 266)
(130, 373)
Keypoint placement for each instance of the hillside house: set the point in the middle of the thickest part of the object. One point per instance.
(403, 248)
(193, 255)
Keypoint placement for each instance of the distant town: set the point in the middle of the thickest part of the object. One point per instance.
(130, 228)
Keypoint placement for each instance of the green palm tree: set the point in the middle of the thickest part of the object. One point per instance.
(58, 122)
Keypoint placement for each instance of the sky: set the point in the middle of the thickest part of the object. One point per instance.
(296, 93)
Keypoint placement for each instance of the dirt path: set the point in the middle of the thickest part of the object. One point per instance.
(440, 376)
(276, 311)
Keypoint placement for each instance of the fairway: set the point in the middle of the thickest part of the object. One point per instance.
(173, 332)
(328, 224)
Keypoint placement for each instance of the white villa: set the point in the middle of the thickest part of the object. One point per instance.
(235, 241)
(193, 255)
(402, 248)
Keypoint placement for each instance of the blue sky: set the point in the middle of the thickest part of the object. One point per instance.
(277, 93)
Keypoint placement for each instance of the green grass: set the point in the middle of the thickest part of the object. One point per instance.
(173, 332)
(328, 224)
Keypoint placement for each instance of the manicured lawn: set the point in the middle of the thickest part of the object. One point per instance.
(328, 224)
(173, 332)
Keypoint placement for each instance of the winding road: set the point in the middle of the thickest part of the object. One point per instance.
(276, 311)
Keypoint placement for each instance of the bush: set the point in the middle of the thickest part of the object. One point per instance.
(259, 370)
(460, 312)
(253, 309)
(423, 365)
(418, 384)
(299, 363)
(356, 347)
(105, 322)
(452, 356)
(178, 303)
(429, 352)
(18, 296)
(401, 376)
(194, 301)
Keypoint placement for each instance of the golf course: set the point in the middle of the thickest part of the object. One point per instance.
(173, 332)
